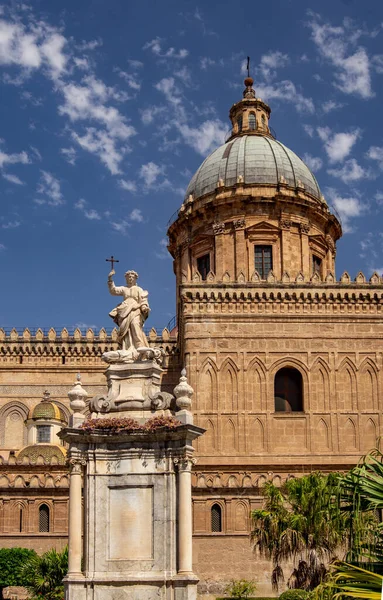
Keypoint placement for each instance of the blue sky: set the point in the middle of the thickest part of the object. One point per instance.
(109, 107)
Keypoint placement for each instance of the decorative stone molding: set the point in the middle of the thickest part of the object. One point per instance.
(315, 278)
(330, 278)
(285, 223)
(226, 277)
(271, 277)
(241, 278)
(304, 228)
(300, 277)
(239, 223)
(375, 279)
(285, 277)
(184, 463)
(345, 278)
(210, 277)
(76, 464)
(219, 228)
(255, 278)
(197, 277)
(360, 278)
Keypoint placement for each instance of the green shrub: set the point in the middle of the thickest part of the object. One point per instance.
(11, 559)
(240, 588)
(295, 595)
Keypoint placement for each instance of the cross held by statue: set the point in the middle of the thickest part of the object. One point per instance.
(112, 260)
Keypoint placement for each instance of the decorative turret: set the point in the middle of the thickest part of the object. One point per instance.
(44, 422)
(251, 115)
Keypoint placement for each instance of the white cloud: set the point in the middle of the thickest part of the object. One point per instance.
(70, 155)
(150, 173)
(121, 226)
(337, 46)
(331, 105)
(130, 79)
(163, 252)
(103, 145)
(313, 162)
(12, 159)
(309, 129)
(272, 61)
(376, 153)
(11, 225)
(31, 49)
(206, 62)
(351, 171)
(127, 185)
(50, 188)
(89, 213)
(377, 62)
(2, 247)
(204, 138)
(379, 198)
(89, 45)
(348, 208)
(136, 215)
(156, 48)
(286, 91)
(135, 64)
(339, 145)
(148, 115)
(12, 178)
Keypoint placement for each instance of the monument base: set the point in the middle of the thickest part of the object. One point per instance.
(137, 506)
(177, 588)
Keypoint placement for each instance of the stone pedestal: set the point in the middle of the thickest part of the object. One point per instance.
(137, 515)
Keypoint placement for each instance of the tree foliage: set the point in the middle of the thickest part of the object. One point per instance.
(301, 521)
(11, 559)
(43, 575)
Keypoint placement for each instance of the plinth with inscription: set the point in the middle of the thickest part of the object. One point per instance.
(130, 532)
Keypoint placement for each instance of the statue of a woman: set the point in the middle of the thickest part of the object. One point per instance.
(130, 316)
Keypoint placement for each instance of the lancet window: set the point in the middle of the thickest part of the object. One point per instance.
(263, 260)
(216, 518)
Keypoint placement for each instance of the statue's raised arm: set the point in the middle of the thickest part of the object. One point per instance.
(130, 316)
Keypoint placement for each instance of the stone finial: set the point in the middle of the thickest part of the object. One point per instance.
(183, 393)
(77, 396)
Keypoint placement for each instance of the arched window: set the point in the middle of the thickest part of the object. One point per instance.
(216, 518)
(263, 119)
(288, 390)
(21, 524)
(252, 122)
(44, 518)
(239, 123)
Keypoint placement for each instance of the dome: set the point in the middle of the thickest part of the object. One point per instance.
(256, 159)
(47, 410)
(49, 452)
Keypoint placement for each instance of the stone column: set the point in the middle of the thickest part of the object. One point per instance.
(75, 518)
(185, 517)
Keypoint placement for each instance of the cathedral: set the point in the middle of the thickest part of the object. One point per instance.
(285, 359)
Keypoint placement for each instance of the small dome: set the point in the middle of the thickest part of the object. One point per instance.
(49, 452)
(256, 159)
(47, 410)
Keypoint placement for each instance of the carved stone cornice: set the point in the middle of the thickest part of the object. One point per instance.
(239, 223)
(76, 464)
(184, 463)
(219, 227)
(285, 223)
(304, 228)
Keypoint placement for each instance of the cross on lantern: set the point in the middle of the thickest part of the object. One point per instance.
(112, 260)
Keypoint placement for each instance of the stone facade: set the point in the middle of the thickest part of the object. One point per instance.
(240, 332)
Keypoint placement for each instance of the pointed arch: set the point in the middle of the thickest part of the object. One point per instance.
(348, 437)
(368, 386)
(13, 433)
(256, 386)
(241, 516)
(346, 385)
(209, 438)
(319, 386)
(207, 387)
(322, 436)
(228, 385)
(256, 436)
(368, 439)
(229, 438)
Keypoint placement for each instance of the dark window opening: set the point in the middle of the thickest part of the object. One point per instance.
(317, 264)
(252, 122)
(288, 390)
(263, 260)
(44, 518)
(43, 434)
(216, 518)
(239, 123)
(203, 266)
(63, 360)
(21, 520)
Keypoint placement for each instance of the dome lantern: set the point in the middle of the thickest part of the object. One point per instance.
(250, 116)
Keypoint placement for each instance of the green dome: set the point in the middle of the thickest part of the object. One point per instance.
(256, 159)
(47, 410)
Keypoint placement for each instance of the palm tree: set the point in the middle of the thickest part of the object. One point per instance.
(300, 522)
(43, 575)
